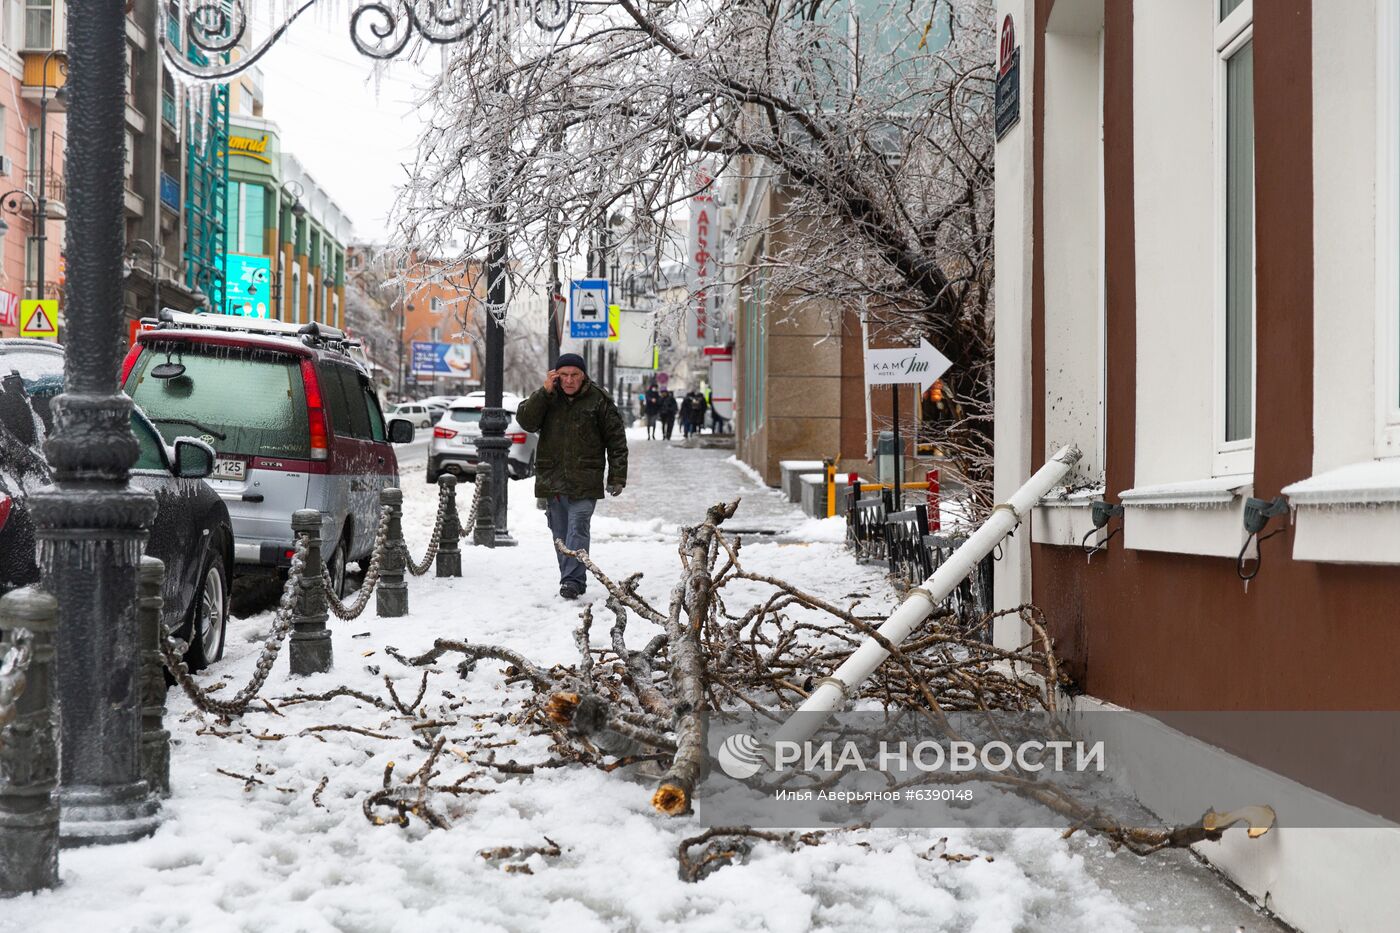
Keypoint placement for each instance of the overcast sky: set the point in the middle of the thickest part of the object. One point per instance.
(354, 140)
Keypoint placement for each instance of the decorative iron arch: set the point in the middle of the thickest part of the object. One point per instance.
(379, 29)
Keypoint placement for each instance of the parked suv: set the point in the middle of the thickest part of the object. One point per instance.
(453, 447)
(293, 419)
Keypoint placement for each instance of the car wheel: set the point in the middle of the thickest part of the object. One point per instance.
(210, 613)
(335, 566)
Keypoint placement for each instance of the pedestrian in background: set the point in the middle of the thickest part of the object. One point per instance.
(578, 424)
(694, 406)
(651, 404)
(667, 409)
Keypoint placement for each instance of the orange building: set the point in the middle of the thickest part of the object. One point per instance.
(32, 72)
(441, 302)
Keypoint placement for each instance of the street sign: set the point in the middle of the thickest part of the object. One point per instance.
(588, 309)
(38, 317)
(1008, 87)
(922, 364)
(614, 323)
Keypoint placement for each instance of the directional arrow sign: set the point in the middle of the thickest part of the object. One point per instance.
(922, 364)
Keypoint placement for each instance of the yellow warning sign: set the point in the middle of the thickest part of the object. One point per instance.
(614, 323)
(38, 317)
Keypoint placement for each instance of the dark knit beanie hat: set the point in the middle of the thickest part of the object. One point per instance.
(570, 359)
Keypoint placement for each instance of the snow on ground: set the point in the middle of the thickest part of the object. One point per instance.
(236, 856)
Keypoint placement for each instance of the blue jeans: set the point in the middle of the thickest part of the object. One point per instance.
(570, 521)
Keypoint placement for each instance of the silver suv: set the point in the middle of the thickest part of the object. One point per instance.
(293, 419)
(453, 448)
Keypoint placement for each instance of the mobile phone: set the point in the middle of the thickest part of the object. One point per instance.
(557, 387)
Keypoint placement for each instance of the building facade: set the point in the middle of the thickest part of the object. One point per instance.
(31, 113)
(286, 237)
(1197, 285)
(799, 368)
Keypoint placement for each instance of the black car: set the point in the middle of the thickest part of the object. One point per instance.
(191, 534)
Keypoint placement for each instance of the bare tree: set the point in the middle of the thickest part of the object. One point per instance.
(872, 116)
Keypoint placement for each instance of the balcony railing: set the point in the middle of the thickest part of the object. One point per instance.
(169, 192)
(53, 187)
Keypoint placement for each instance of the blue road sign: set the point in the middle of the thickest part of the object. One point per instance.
(588, 309)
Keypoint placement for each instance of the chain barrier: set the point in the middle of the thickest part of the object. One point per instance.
(173, 651)
(13, 668)
(348, 611)
(469, 525)
(420, 568)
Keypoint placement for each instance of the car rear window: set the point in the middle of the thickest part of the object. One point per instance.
(253, 398)
(466, 415)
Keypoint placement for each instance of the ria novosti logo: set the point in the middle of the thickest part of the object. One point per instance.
(740, 756)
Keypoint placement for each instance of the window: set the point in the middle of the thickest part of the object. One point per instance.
(337, 402)
(755, 348)
(1235, 292)
(296, 295)
(436, 304)
(149, 444)
(31, 268)
(1388, 237)
(38, 24)
(361, 425)
(31, 160)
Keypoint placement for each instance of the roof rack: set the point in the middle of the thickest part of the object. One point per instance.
(312, 334)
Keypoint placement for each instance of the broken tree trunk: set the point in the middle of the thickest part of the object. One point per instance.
(694, 594)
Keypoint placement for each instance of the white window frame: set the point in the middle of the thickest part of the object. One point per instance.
(1387, 356)
(1231, 458)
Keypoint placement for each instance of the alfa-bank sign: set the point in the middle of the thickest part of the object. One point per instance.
(704, 254)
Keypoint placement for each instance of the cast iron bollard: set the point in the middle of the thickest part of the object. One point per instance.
(484, 533)
(449, 555)
(310, 651)
(155, 738)
(392, 595)
(29, 755)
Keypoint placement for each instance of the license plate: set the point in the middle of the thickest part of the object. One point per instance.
(225, 468)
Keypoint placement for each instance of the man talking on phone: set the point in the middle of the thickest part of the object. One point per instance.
(578, 425)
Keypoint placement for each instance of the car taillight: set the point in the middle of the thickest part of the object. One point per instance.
(130, 361)
(444, 433)
(5, 503)
(517, 438)
(316, 414)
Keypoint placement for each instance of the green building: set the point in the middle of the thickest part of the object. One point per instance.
(286, 238)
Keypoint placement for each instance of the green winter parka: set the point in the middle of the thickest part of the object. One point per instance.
(575, 434)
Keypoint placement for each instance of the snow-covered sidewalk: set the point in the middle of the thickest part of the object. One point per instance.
(291, 849)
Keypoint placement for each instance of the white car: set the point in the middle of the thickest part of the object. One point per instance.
(416, 413)
(453, 448)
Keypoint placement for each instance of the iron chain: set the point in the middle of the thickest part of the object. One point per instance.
(13, 667)
(469, 525)
(173, 652)
(418, 569)
(353, 610)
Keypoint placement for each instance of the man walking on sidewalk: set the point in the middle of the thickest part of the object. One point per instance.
(577, 423)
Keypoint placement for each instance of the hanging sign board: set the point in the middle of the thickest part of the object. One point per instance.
(922, 364)
(38, 317)
(1008, 101)
(703, 262)
(588, 309)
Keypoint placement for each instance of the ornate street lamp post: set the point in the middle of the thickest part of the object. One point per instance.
(92, 524)
(156, 254)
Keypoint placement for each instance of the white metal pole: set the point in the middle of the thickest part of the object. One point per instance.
(831, 691)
